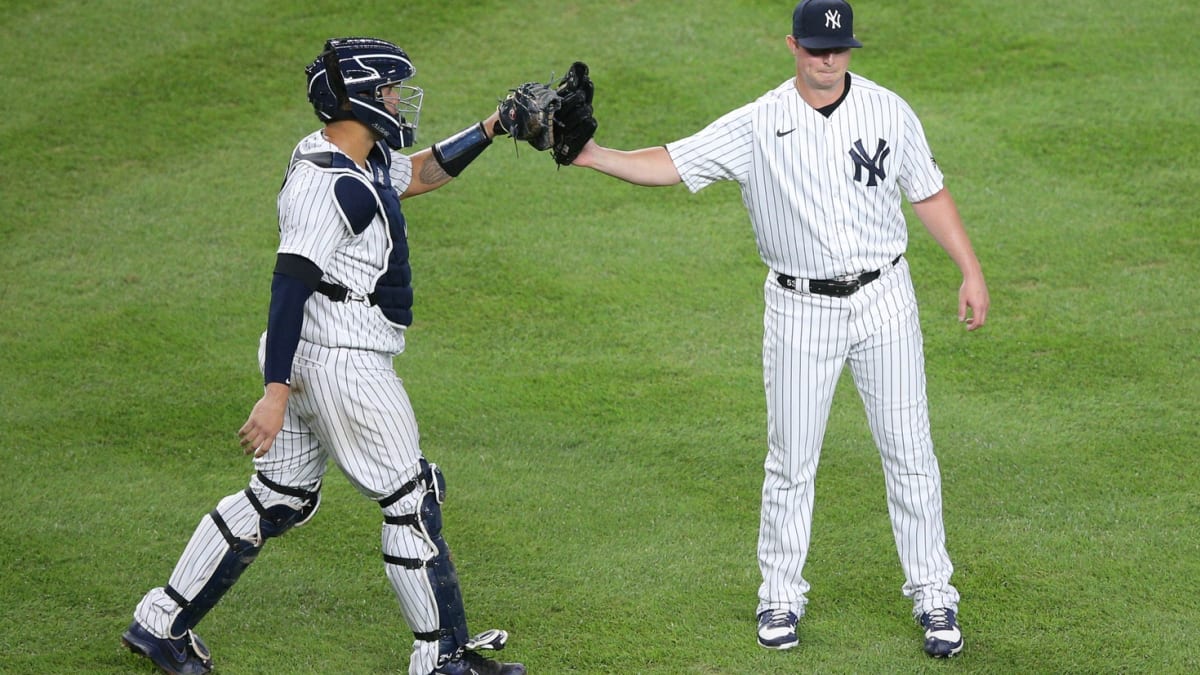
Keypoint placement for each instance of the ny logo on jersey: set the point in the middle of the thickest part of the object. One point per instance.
(833, 19)
(873, 164)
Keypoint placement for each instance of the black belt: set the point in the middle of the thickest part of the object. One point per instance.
(839, 287)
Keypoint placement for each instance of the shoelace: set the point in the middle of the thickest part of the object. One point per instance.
(939, 619)
(779, 619)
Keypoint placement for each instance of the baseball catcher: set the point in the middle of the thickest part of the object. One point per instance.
(341, 302)
(557, 119)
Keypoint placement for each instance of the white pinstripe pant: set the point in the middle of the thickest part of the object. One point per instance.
(807, 340)
(349, 406)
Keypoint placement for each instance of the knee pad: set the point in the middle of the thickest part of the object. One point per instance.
(244, 520)
(280, 508)
(435, 569)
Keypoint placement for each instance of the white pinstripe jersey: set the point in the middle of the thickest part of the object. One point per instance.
(312, 226)
(817, 212)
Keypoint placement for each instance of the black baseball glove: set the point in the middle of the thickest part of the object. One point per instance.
(527, 114)
(574, 124)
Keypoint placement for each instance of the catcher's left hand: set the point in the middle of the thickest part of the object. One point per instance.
(527, 114)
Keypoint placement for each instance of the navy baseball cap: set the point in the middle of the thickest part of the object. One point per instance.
(824, 24)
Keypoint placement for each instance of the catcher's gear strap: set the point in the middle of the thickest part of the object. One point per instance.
(175, 595)
(278, 519)
(307, 495)
(456, 152)
(333, 74)
(339, 293)
(233, 541)
(404, 489)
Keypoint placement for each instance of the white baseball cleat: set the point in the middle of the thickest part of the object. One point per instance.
(943, 638)
(777, 629)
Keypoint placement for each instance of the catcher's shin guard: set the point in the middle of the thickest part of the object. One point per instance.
(420, 569)
(226, 541)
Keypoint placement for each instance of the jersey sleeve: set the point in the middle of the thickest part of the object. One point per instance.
(310, 223)
(400, 171)
(920, 177)
(723, 150)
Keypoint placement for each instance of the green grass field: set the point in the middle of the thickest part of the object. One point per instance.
(585, 362)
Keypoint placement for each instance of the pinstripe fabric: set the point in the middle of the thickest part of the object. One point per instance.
(818, 213)
(312, 226)
(347, 405)
(807, 341)
(811, 219)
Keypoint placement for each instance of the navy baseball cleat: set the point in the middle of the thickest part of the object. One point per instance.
(943, 638)
(777, 629)
(186, 655)
(470, 663)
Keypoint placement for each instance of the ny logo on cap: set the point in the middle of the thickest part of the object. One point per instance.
(833, 19)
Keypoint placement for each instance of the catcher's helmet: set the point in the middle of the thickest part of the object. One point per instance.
(346, 80)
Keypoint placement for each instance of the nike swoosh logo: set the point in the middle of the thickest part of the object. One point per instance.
(781, 134)
(180, 655)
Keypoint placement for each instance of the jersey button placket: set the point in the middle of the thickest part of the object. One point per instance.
(836, 180)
